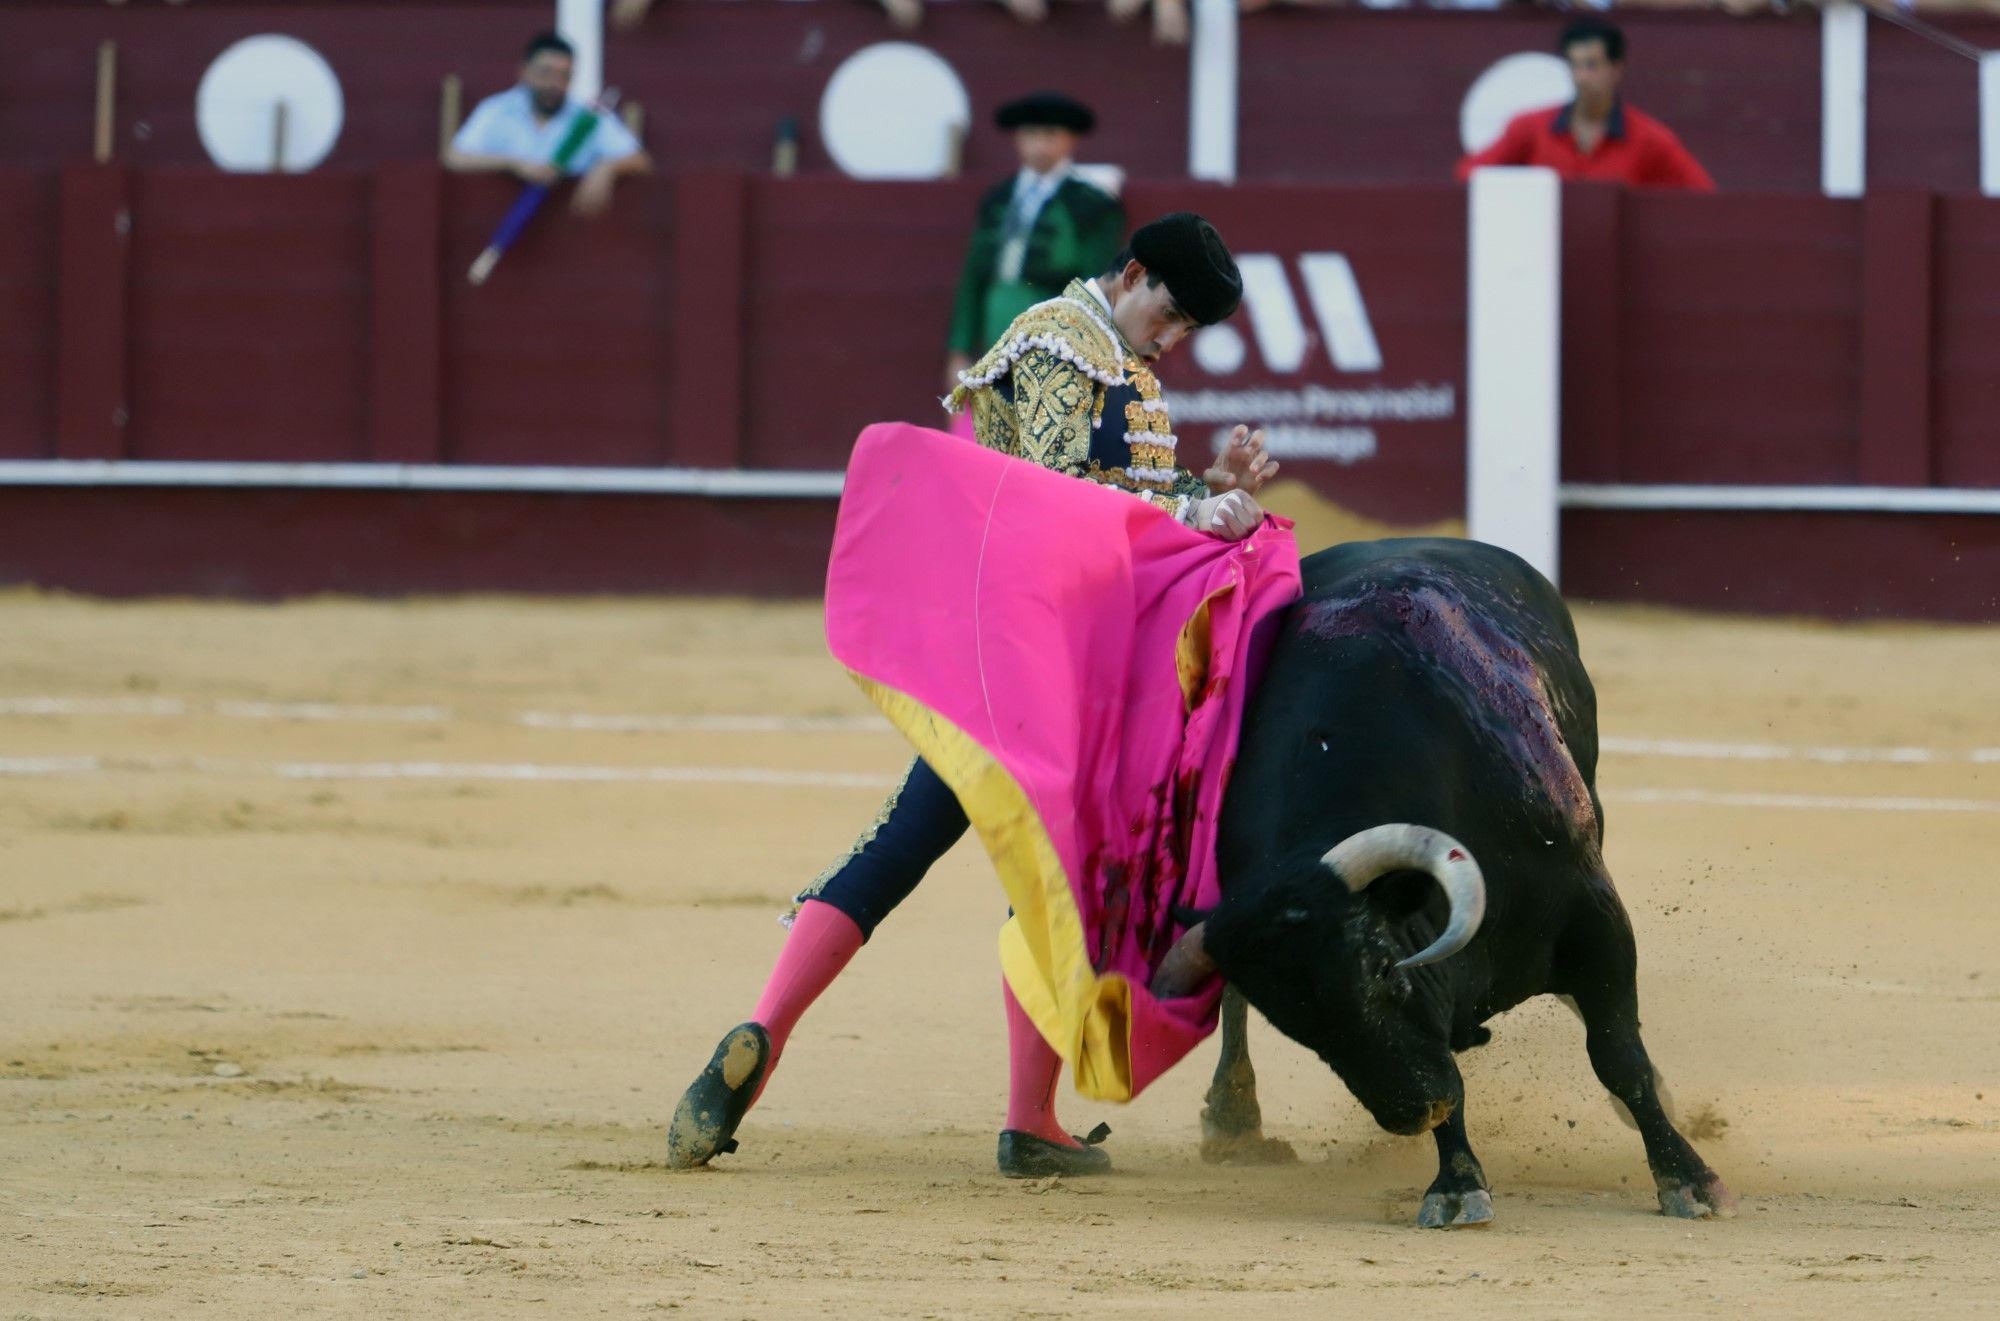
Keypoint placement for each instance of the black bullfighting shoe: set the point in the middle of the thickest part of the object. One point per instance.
(704, 1123)
(1025, 1156)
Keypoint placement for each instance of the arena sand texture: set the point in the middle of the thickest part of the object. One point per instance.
(279, 1041)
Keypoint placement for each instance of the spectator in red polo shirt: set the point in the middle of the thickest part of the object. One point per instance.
(1595, 136)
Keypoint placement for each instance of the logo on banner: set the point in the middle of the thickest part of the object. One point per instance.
(1275, 318)
(1310, 421)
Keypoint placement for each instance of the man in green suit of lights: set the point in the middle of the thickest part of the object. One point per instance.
(1036, 231)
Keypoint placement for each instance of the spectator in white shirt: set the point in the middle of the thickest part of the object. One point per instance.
(518, 131)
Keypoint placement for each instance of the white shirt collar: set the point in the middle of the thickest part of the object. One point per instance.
(1107, 323)
(1028, 179)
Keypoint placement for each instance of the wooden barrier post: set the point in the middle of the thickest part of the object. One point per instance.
(1593, 284)
(405, 315)
(451, 108)
(1843, 98)
(1212, 94)
(107, 102)
(93, 247)
(1513, 371)
(1897, 236)
(705, 414)
(1989, 123)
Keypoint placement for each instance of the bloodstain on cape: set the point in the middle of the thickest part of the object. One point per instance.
(1074, 663)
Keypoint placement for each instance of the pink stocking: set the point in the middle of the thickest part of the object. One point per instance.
(821, 942)
(1033, 1067)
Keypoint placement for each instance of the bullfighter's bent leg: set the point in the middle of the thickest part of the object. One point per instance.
(1607, 998)
(836, 915)
(1459, 1195)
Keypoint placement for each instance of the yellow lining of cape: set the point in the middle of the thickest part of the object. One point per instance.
(1044, 953)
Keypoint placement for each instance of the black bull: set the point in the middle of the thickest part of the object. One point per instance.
(1436, 683)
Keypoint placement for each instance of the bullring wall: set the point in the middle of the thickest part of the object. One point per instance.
(718, 320)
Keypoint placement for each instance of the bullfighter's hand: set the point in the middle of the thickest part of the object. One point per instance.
(1244, 465)
(1232, 516)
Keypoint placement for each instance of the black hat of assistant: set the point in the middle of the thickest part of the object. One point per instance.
(1186, 252)
(1046, 110)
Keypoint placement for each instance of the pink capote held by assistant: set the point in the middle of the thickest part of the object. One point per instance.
(1074, 663)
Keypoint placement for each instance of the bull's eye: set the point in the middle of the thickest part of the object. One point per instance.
(1324, 746)
(1294, 916)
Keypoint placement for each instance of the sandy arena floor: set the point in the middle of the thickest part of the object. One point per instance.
(284, 1036)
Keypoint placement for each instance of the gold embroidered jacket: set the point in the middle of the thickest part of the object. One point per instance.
(1062, 388)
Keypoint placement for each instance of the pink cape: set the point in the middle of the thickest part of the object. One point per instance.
(1074, 663)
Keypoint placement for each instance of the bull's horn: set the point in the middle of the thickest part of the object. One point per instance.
(1361, 858)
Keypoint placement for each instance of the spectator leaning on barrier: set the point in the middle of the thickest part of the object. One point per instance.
(518, 131)
(1036, 231)
(1597, 135)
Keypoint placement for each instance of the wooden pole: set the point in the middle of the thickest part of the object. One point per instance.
(785, 150)
(107, 99)
(451, 104)
(954, 150)
(278, 117)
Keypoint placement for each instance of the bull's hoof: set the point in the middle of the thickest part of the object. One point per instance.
(1231, 1112)
(1463, 1210)
(1704, 1198)
(1251, 1148)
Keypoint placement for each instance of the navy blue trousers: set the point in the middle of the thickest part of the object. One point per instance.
(918, 825)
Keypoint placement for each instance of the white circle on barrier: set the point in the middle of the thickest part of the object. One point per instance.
(1219, 350)
(893, 111)
(1527, 80)
(269, 103)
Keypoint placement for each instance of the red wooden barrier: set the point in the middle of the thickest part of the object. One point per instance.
(249, 316)
(1966, 345)
(92, 388)
(709, 238)
(405, 340)
(713, 320)
(565, 355)
(29, 207)
(1896, 296)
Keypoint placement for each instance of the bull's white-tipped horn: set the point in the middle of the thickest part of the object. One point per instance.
(1361, 858)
